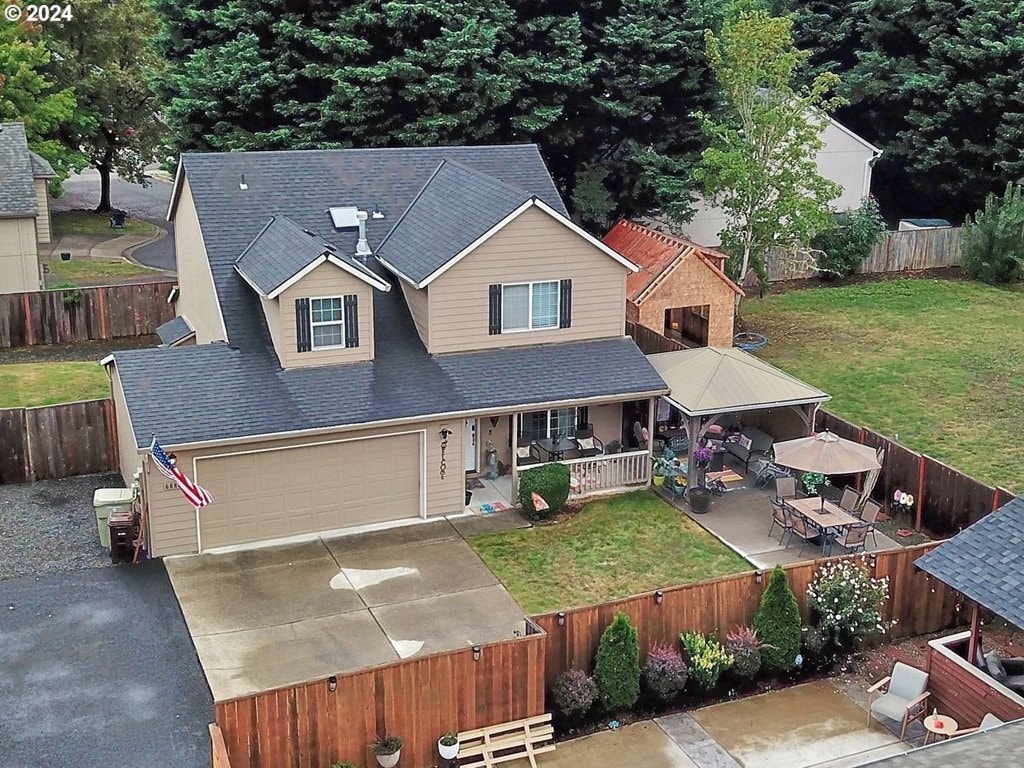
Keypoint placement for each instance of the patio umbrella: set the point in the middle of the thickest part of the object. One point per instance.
(826, 453)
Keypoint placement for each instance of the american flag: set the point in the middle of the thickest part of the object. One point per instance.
(197, 495)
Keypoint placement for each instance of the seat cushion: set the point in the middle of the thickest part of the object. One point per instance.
(995, 666)
(907, 682)
(890, 705)
(586, 443)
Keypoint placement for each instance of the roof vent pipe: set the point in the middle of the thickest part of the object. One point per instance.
(362, 246)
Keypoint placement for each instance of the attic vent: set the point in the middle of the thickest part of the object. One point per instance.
(344, 218)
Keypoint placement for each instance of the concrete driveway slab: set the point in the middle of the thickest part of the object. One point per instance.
(641, 744)
(413, 571)
(455, 620)
(239, 663)
(227, 593)
(97, 669)
(374, 541)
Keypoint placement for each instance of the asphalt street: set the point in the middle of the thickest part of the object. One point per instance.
(149, 203)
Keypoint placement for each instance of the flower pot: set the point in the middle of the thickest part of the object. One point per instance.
(678, 489)
(700, 500)
(448, 751)
(659, 480)
(389, 761)
(469, 498)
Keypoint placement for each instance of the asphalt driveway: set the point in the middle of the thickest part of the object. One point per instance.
(266, 618)
(97, 669)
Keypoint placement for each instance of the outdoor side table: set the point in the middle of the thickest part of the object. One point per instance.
(939, 725)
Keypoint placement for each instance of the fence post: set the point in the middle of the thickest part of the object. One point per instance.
(920, 491)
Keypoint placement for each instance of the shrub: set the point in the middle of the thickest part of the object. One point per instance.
(708, 659)
(777, 623)
(848, 601)
(811, 481)
(664, 673)
(992, 241)
(574, 692)
(849, 240)
(70, 295)
(344, 764)
(618, 665)
(744, 646)
(551, 483)
(814, 648)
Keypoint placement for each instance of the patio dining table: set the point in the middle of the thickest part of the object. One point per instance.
(555, 449)
(823, 513)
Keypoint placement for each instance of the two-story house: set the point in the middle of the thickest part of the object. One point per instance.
(24, 210)
(359, 330)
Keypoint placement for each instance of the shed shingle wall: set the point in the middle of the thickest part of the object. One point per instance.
(691, 283)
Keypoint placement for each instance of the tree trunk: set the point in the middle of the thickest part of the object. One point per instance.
(104, 204)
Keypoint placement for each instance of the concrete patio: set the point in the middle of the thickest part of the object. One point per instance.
(266, 618)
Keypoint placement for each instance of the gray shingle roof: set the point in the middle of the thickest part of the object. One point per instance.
(41, 168)
(986, 561)
(241, 389)
(282, 250)
(999, 747)
(238, 394)
(17, 191)
(455, 207)
(174, 330)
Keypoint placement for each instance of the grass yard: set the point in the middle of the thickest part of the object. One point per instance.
(92, 223)
(29, 384)
(612, 548)
(938, 362)
(89, 270)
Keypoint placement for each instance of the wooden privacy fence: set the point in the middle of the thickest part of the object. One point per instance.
(945, 499)
(917, 603)
(650, 341)
(57, 441)
(894, 252)
(106, 312)
(311, 726)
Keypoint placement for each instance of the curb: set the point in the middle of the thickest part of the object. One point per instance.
(127, 252)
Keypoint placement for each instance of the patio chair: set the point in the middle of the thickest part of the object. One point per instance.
(785, 488)
(527, 453)
(854, 537)
(988, 721)
(802, 528)
(780, 517)
(849, 500)
(871, 510)
(903, 696)
(587, 444)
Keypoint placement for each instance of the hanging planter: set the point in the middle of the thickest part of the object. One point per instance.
(388, 750)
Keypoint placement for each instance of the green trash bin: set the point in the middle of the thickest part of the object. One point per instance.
(105, 501)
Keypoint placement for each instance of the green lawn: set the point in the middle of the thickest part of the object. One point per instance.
(27, 384)
(940, 363)
(91, 223)
(613, 548)
(89, 270)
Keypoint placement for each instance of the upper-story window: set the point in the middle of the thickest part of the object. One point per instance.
(327, 322)
(534, 306)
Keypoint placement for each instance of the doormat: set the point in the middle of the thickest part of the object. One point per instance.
(473, 483)
(728, 476)
(490, 509)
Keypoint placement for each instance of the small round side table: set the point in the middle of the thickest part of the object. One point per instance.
(939, 725)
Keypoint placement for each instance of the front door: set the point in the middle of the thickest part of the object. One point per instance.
(470, 442)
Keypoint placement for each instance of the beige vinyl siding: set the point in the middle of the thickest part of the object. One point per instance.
(198, 299)
(127, 454)
(326, 281)
(607, 421)
(19, 263)
(272, 311)
(44, 226)
(418, 303)
(173, 521)
(532, 247)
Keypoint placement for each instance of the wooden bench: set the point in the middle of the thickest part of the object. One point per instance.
(496, 744)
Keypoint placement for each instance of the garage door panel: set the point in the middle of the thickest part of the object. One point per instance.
(279, 493)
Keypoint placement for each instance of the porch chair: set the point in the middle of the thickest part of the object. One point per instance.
(903, 696)
(988, 721)
(638, 433)
(785, 488)
(781, 518)
(854, 537)
(527, 453)
(587, 444)
(802, 528)
(849, 500)
(871, 510)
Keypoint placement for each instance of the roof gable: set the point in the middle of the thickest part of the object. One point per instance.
(283, 253)
(656, 254)
(17, 188)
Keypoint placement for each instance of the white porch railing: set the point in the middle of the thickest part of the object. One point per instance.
(613, 470)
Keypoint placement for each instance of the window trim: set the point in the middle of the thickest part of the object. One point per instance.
(529, 306)
(313, 347)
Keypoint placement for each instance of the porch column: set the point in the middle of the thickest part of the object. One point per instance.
(514, 426)
(972, 646)
(652, 410)
(814, 417)
(694, 435)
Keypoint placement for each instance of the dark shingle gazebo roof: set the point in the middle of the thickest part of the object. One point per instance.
(986, 562)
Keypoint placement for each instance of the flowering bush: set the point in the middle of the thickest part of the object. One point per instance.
(664, 672)
(574, 693)
(708, 659)
(702, 454)
(848, 600)
(745, 647)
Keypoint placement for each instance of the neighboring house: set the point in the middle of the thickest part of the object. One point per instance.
(845, 158)
(681, 289)
(360, 325)
(24, 210)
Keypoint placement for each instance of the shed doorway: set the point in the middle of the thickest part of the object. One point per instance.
(688, 324)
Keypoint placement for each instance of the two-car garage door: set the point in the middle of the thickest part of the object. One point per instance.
(270, 494)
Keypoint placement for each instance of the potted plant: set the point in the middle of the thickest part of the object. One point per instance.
(448, 746)
(813, 481)
(699, 498)
(702, 457)
(679, 483)
(663, 466)
(388, 750)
